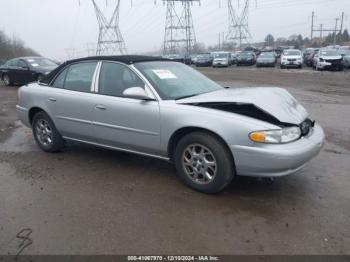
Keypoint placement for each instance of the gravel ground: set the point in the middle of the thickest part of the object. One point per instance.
(88, 200)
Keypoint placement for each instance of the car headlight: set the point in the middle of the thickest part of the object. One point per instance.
(285, 135)
(321, 60)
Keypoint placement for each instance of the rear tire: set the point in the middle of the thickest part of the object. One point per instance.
(45, 133)
(7, 80)
(204, 163)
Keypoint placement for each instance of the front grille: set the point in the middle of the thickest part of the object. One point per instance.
(291, 60)
(306, 126)
(338, 61)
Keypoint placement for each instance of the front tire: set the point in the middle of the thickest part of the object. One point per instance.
(45, 133)
(203, 162)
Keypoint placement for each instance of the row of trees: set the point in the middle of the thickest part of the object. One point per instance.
(13, 47)
(298, 40)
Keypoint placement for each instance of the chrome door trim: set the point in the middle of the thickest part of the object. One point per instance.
(118, 148)
(96, 78)
(71, 119)
(125, 129)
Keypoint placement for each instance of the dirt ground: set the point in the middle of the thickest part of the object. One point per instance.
(89, 200)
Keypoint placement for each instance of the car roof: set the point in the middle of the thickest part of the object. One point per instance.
(125, 59)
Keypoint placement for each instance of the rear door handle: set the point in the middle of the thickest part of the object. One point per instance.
(52, 99)
(101, 107)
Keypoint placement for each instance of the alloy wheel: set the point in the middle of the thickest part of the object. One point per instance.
(199, 164)
(44, 132)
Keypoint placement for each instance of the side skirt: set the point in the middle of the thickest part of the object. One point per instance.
(118, 149)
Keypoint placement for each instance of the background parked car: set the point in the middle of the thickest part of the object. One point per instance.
(193, 59)
(222, 59)
(204, 60)
(179, 58)
(234, 58)
(266, 59)
(291, 58)
(309, 56)
(24, 70)
(246, 58)
(329, 59)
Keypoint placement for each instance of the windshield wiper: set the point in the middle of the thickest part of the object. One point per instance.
(183, 97)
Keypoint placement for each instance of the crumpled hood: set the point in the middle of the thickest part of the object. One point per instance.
(275, 101)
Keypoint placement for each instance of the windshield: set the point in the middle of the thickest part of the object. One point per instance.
(291, 52)
(175, 80)
(267, 55)
(245, 54)
(43, 62)
(223, 55)
(329, 53)
(204, 56)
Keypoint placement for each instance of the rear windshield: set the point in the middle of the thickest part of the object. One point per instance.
(223, 55)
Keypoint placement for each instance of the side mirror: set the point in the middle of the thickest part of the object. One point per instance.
(137, 93)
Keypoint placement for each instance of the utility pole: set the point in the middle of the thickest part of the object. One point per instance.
(342, 22)
(179, 29)
(335, 31)
(312, 24)
(110, 39)
(238, 29)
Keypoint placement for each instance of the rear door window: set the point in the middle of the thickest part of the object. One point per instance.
(78, 77)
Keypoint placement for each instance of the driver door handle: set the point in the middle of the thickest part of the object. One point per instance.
(52, 99)
(101, 107)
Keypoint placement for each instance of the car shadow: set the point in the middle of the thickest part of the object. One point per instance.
(263, 197)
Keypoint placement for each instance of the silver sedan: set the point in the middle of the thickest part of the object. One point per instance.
(164, 109)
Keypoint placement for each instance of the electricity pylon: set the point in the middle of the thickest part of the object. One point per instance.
(179, 30)
(238, 30)
(110, 39)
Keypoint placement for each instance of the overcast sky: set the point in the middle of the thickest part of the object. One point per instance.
(53, 26)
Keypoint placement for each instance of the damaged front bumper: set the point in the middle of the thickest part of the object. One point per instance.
(267, 160)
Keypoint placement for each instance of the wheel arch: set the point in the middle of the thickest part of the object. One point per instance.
(178, 134)
(32, 112)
